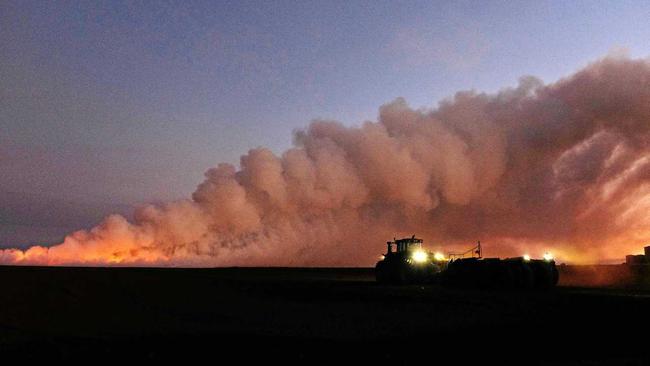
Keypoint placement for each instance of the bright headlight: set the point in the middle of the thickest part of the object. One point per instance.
(439, 256)
(419, 256)
(548, 256)
(526, 257)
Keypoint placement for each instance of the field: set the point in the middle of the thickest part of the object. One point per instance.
(311, 315)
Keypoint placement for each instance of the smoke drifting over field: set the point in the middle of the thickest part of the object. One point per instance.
(564, 166)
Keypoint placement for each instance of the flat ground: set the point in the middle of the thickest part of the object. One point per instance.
(308, 315)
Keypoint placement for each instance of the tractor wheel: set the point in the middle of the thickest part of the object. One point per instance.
(543, 275)
(402, 275)
(381, 274)
(555, 276)
(527, 277)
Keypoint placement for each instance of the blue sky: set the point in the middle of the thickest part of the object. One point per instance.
(104, 105)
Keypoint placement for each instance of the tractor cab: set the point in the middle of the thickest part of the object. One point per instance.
(403, 246)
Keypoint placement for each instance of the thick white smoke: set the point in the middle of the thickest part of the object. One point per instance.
(563, 166)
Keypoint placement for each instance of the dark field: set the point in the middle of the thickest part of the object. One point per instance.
(310, 315)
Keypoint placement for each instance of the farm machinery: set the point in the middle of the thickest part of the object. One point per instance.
(406, 262)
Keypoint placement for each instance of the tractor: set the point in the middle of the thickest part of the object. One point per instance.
(406, 262)
(409, 263)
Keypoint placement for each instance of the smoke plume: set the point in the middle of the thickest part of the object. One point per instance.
(562, 167)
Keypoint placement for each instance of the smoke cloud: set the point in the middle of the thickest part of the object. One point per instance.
(562, 167)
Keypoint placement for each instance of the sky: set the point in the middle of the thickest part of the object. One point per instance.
(108, 105)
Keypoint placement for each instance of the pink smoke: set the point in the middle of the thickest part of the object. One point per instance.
(564, 166)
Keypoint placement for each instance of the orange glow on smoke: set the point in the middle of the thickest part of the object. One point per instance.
(561, 168)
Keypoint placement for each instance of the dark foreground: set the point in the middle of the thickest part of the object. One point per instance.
(310, 315)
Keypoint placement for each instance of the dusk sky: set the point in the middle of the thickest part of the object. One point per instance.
(106, 105)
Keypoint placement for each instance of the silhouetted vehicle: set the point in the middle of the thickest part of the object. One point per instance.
(495, 273)
(408, 263)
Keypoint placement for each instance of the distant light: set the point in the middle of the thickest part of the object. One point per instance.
(419, 256)
(382, 257)
(439, 256)
(548, 256)
(526, 257)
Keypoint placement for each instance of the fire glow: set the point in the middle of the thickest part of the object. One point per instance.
(567, 163)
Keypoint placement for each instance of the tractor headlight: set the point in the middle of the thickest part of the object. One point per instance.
(419, 256)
